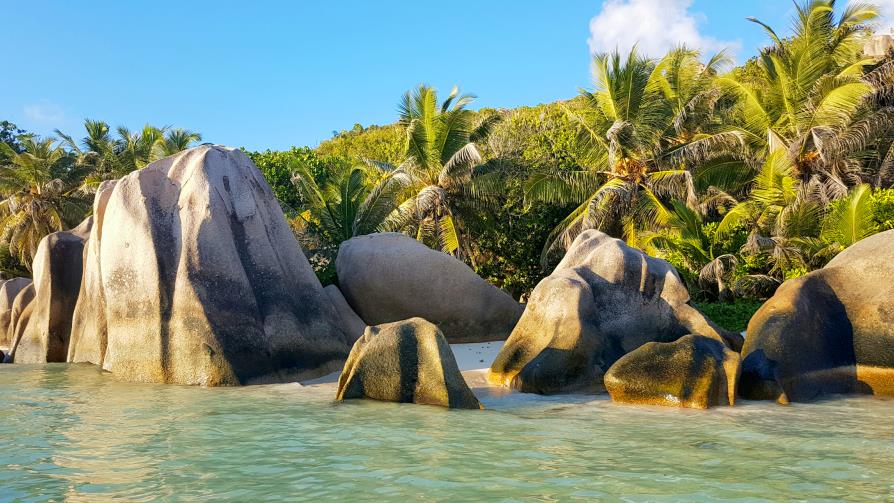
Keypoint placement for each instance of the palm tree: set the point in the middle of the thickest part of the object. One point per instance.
(686, 236)
(350, 202)
(645, 126)
(447, 179)
(177, 140)
(779, 213)
(109, 158)
(36, 200)
(810, 97)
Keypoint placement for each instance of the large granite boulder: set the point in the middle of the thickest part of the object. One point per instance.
(350, 323)
(407, 361)
(830, 331)
(603, 300)
(19, 316)
(389, 277)
(57, 280)
(693, 371)
(203, 282)
(8, 292)
(88, 326)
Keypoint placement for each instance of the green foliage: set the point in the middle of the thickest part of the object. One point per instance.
(378, 143)
(731, 316)
(279, 167)
(883, 208)
(10, 134)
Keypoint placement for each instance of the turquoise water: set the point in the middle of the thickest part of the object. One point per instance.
(72, 433)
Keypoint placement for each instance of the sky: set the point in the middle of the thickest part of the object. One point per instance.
(270, 75)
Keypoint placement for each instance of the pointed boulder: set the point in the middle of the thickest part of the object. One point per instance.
(203, 281)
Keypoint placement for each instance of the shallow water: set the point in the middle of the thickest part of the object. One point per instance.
(71, 432)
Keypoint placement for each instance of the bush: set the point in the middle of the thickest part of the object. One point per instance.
(731, 316)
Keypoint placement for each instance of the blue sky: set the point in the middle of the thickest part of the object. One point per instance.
(275, 74)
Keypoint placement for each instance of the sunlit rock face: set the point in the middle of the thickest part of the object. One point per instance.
(406, 361)
(693, 371)
(603, 300)
(391, 277)
(199, 280)
(57, 279)
(88, 331)
(19, 316)
(8, 292)
(831, 331)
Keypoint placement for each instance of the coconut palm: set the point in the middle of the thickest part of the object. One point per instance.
(350, 202)
(447, 179)
(178, 139)
(36, 197)
(108, 158)
(645, 126)
(685, 236)
(810, 97)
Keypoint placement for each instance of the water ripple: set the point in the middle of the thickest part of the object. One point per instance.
(73, 433)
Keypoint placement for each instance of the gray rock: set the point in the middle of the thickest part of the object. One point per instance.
(203, 281)
(390, 277)
(19, 316)
(693, 371)
(407, 361)
(603, 300)
(8, 292)
(57, 280)
(88, 329)
(830, 331)
(350, 323)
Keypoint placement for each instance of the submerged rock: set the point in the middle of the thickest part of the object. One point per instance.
(350, 323)
(202, 280)
(603, 300)
(831, 331)
(88, 328)
(57, 279)
(693, 371)
(391, 277)
(8, 292)
(406, 361)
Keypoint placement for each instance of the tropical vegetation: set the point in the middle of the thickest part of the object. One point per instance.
(741, 176)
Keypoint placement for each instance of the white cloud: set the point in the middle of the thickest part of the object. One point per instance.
(656, 25)
(886, 11)
(45, 112)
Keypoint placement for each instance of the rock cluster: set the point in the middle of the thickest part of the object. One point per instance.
(602, 301)
(188, 273)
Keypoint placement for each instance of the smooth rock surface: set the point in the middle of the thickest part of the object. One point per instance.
(88, 329)
(390, 277)
(830, 331)
(350, 323)
(693, 371)
(603, 300)
(203, 281)
(57, 280)
(8, 292)
(19, 316)
(406, 361)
